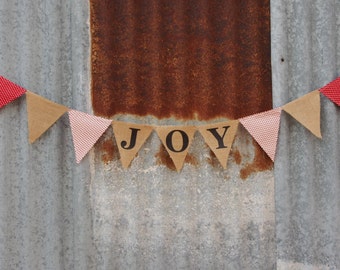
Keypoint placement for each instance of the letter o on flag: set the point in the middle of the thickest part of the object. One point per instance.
(170, 143)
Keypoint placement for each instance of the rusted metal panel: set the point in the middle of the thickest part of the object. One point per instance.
(173, 63)
(184, 59)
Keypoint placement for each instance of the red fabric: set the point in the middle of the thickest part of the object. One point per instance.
(332, 91)
(86, 130)
(264, 127)
(9, 91)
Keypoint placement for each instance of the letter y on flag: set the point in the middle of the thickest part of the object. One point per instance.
(219, 137)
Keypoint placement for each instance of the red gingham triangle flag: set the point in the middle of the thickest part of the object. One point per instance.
(332, 91)
(264, 127)
(86, 130)
(9, 91)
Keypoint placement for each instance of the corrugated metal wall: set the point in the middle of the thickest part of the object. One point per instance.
(186, 59)
(55, 214)
(45, 207)
(163, 62)
(306, 56)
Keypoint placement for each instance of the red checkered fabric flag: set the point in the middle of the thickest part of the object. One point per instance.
(264, 127)
(86, 130)
(332, 91)
(9, 91)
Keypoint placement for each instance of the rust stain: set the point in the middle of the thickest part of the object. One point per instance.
(191, 159)
(182, 59)
(108, 150)
(260, 163)
(213, 160)
(192, 59)
(163, 158)
(235, 153)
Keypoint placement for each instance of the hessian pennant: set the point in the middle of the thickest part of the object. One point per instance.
(332, 91)
(176, 140)
(219, 137)
(264, 128)
(306, 110)
(42, 114)
(86, 130)
(130, 138)
(9, 91)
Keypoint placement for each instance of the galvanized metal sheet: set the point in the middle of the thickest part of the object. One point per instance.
(45, 208)
(305, 56)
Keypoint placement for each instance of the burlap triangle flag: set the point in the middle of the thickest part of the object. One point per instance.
(130, 138)
(176, 140)
(9, 91)
(42, 114)
(332, 91)
(306, 110)
(264, 128)
(86, 130)
(219, 137)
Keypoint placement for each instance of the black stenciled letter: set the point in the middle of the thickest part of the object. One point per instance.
(132, 140)
(218, 137)
(170, 145)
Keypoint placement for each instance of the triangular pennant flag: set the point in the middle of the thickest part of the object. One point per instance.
(176, 140)
(264, 127)
(9, 91)
(219, 137)
(130, 138)
(86, 130)
(42, 114)
(306, 110)
(332, 91)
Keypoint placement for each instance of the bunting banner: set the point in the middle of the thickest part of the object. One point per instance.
(219, 137)
(264, 127)
(176, 140)
(9, 91)
(42, 114)
(86, 129)
(306, 110)
(130, 138)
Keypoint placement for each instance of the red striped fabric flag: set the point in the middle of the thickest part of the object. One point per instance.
(332, 91)
(9, 91)
(264, 127)
(86, 130)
